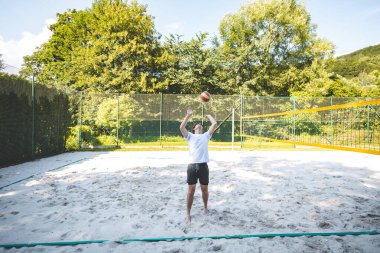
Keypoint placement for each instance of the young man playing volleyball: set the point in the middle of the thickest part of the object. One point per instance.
(198, 151)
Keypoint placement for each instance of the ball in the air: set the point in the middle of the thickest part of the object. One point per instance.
(205, 96)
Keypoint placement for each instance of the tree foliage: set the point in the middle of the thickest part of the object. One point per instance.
(191, 66)
(264, 41)
(2, 66)
(112, 46)
(268, 47)
(352, 65)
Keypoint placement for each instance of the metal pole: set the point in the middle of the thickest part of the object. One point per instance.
(117, 123)
(331, 123)
(368, 131)
(233, 127)
(33, 116)
(161, 101)
(294, 119)
(80, 121)
(241, 120)
(203, 113)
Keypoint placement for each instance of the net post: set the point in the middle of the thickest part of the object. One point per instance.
(33, 116)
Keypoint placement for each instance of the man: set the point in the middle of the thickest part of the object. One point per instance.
(198, 151)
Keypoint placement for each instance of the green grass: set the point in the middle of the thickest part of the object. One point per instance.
(169, 143)
(213, 145)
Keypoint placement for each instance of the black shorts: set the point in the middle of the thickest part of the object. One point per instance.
(195, 171)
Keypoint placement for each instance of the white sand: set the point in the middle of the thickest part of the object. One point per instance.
(121, 195)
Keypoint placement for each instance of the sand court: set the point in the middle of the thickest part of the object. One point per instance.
(121, 195)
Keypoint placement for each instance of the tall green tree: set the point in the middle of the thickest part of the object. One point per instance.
(264, 43)
(191, 66)
(112, 46)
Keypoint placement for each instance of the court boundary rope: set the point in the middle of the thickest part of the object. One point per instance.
(183, 238)
(60, 167)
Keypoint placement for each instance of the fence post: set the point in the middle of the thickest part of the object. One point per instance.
(294, 120)
(33, 118)
(117, 123)
(161, 101)
(233, 128)
(203, 112)
(241, 120)
(331, 123)
(80, 121)
(368, 128)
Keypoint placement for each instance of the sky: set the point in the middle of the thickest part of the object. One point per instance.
(349, 24)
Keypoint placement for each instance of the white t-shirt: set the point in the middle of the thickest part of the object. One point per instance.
(198, 147)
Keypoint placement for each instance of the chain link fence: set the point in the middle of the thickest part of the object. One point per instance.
(340, 123)
(36, 121)
(117, 120)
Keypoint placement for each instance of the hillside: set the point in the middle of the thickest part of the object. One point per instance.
(363, 60)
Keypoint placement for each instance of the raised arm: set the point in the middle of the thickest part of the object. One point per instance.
(182, 127)
(213, 123)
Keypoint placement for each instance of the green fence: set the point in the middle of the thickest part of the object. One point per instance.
(108, 120)
(339, 123)
(36, 121)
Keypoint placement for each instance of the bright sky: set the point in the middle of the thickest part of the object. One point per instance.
(349, 24)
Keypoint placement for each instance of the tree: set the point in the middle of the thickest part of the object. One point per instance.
(265, 41)
(2, 66)
(352, 65)
(191, 66)
(113, 46)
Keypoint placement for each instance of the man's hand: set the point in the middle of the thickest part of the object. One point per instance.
(213, 123)
(182, 127)
(210, 118)
(190, 111)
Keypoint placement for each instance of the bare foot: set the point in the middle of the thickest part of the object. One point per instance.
(206, 211)
(188, 220)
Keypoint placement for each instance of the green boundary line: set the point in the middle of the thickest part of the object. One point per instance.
(18, 245)
(374, 232)
(41, 173)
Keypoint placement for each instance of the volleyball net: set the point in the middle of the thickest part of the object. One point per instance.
(343, 124)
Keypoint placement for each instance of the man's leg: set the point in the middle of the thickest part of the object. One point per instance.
(204, 189)
(190, 198)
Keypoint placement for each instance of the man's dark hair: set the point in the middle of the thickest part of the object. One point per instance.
(193, 129)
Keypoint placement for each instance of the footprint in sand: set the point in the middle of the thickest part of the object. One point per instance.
(64, 236)
(185, 229)
(216, 247)
(70, 187)
(175, 251)
(49, 216)
(324, 225)
(137, 226)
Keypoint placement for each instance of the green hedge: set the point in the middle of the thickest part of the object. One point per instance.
(51, 121)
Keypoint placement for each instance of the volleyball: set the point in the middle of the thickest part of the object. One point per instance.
(205, 96)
